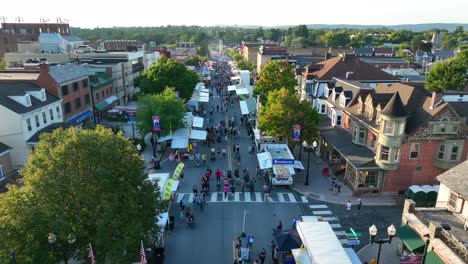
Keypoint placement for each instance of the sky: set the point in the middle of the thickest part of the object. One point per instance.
(267, 13)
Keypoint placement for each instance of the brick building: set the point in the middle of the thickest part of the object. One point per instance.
(12, 33)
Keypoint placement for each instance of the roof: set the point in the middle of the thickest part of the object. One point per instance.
(395, 107)
(444, 53)
(383, 60)
(383, 50)
(19, 76)
(410, 239)
(363, 51)
(462, 110)
(34, 139)
(456, 179)
(4, 147)
(72, 38)
(20, 89)
(339, 66)
(68, 72)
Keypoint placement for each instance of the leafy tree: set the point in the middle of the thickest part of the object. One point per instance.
(170, 109)
(336, 38)
(402, 54)
(195, 60)
(301, 31)
(86, 184)
(2, 64)
(273, 34)
(275, 75)
(167, 72)
(449, 75)
(284, 110)
(243, 64)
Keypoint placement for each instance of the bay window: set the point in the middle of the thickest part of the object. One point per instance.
(384, 151)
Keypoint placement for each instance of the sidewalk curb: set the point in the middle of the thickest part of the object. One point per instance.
(333, 202)
(363, 248)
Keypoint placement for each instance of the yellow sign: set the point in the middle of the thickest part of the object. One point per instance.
(177, 171)
(168, 189)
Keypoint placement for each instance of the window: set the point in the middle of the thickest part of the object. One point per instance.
(77, 103)
(28, 123)
(441, 153)
(75, 86)
(338, 120)
(51, 113)
(414, 150)
(454, 153)
(359, 135)
(389, 127)
(378, 118)
(2, 175)
(64, 90)
(453, 200)
(57, 109)
(97, 96)
(67, 108)
(44, 118)
(323, 108)
(444, 127)
(369, 111)
(87, 99)
(36, 117)
(342, 101)
(384, 153)
(373, 140)
(396, 152)
(85, 83)
(102, 93)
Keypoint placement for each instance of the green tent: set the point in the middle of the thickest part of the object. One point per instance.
(433, 258)
(410, 239)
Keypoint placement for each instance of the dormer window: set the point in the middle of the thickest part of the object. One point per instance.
(360, 104)
(43, 95)
(369, 111)
(27, 99)
(378, 118)
(342, 100)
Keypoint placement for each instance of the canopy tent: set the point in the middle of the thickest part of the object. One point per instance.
(410, 239)
(353, 256)
(244, 108)
(204, 99)
(300, 256)
(233, 78)
(162, 220)
(179, 142)
(198, 134)
(287, 239)
(197, 121)
(264, 160)
(321, 243)
(113, 110)
(242, 91)
(165, 138)
(433, 258)
(205, 90)
(203, 94)
(298, 165)
(231, 88)
(159, 178)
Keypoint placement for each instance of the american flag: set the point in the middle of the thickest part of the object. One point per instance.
(413, 259)
(142, 254)
(91, 255)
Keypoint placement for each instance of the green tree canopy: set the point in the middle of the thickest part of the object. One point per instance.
(284, 110)
(2, 64)
(275, 75)
(449, 75)
(83, 183)
(195, 60)
(170, 109)
(167, 72)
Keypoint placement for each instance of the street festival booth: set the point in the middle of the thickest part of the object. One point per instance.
(280, 160)
(320, 245)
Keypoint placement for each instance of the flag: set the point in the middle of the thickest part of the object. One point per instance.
(156, 124)
(91, 255)
(142, 254)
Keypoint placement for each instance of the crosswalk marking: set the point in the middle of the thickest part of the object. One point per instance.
(179, 198)
(322, 212)
(190, 199)
(335, 225)
(318, 206)
(258, 197)
(343, 241)
(236, 197)
(280, 197)
(247, 197)
(330, 219)
(340, 233)
(214, 197)
(291, 197)
(304, 199)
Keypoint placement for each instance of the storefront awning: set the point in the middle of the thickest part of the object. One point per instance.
(101, 105)
(410, 239)
(433, 258)
(111, 99)
(81, 117)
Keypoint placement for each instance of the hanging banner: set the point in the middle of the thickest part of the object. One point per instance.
(168, 189)
(156, 124)
(177, 171)
(296, 133)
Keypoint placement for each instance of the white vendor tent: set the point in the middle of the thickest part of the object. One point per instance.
(198, 134)
(321, 243)
(244, 108)
(231, 88)
(197, 121)
(242, 91)
(264, 160)
(179, 142)
(203, 99)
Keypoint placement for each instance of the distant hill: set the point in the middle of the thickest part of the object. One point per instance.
(411, 27)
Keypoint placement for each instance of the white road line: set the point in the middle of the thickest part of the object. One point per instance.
(318, 206)
(214, 197)
(335, 225)
(225, 198)
(340, 233)
(330, 219)
(190, 199)
(258, 197)
(291, 197)
(343, 241)
(180, 196)
(280, 197)
(304, 199)
(322, 212)
(247, 197)
(236, 197)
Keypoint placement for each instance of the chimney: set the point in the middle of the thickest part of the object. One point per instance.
(344, 56)
(327, 55)
(44, 67)
(435, 99)
(349, 75)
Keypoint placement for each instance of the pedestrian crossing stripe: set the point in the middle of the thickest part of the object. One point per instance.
(340, 233)
(241, 197)
(322, 212)
(304, 199)
(335, 225)
(343, 241)
(318, 206)
(330, 219)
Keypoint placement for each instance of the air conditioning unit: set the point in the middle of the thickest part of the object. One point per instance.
(59, 116)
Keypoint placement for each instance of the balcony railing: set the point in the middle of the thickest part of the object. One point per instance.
(457, 246)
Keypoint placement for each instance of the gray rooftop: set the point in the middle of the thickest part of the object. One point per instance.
(4, 147)
(383, 60)
(20, 89)
(439, 217)
(67, 72)
(456, 179)
(444, 53)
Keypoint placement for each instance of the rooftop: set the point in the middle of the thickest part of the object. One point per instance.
(4, 148)
(19, 76)
(443, 216)
(68, 72)
(383, 60)
(456, 179)
(21, 89)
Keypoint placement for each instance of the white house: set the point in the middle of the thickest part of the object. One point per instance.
(25, 110)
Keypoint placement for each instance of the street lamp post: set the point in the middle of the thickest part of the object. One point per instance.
(309, 149)
(373, 233)
(52, 238)
(139, 149)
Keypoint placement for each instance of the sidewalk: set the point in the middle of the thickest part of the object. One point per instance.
(388, 255)
(319, 187)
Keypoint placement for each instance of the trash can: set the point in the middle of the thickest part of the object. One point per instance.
(171, 222)
(157, 256)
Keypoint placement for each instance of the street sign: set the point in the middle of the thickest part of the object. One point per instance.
(353, 235)
(353, 242)
(283, 161)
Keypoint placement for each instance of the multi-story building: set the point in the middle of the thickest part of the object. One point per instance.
(6, 166)
(186, 49)
(390, 137)
(265, 53)
(26, 109)
(100, 80)
(441, 230)
(12, 33)
(249, 50)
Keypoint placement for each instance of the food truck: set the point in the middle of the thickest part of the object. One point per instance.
(279, 159)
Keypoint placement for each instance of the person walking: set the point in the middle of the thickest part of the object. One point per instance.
(262, 256)
(203, 157)
(224, 152)
(273, 247)
(250, 240)
(226, 190)
(359, 207)
(348, 208)
(237, 148)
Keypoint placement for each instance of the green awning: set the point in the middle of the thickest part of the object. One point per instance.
(101, 105)
(410, 239)
(433, 258)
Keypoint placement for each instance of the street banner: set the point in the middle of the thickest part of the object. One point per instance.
(415, 259)
(168, 189)
(296, 133)
(177, 171)
(156, 124)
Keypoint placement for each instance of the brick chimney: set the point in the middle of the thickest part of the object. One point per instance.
(44, 67)
(435, 99)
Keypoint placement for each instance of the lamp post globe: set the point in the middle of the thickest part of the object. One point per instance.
(139, 148)
(52, 238)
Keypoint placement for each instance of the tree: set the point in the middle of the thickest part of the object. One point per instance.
(2, 64)
(275, 75)
(284, 110)
(195, 60)
(170, 109)
(167, 72)
(243, 64)
(86, 184)
(449, 75)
